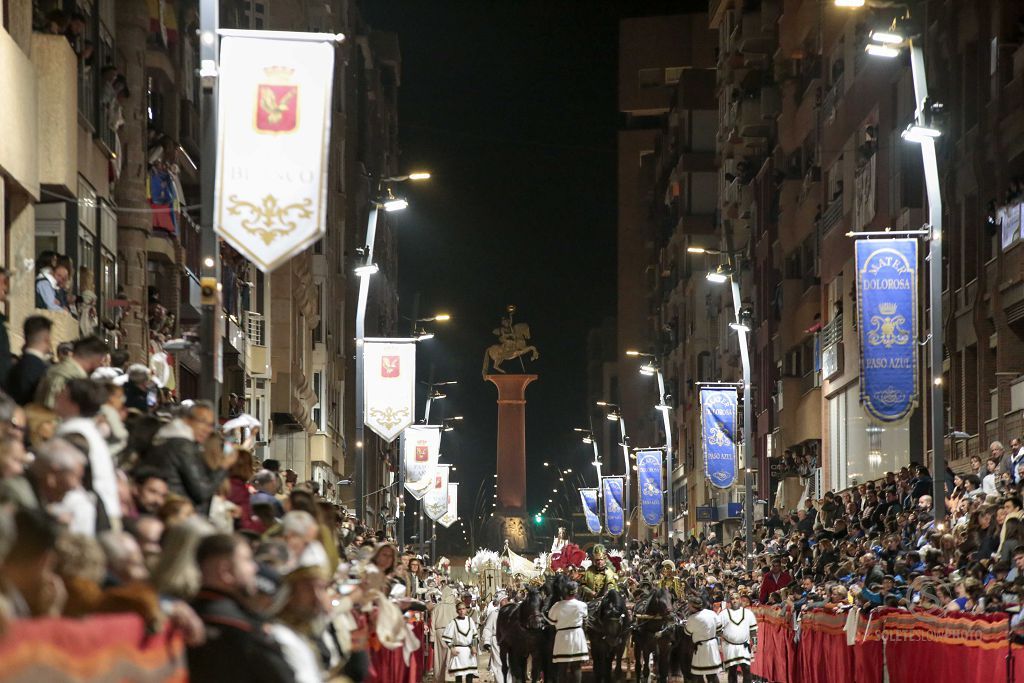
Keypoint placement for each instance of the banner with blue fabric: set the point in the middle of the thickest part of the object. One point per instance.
(613, 516)
(651, 486)
(589, 497)
(718, 433)
(887, 320)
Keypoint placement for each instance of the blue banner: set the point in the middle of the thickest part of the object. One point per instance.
(887, 320)
(589, 497)
(651, 486)
(718, 433)
(613, 517)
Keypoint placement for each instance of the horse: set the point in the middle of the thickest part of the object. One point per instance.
(521, 634)
(608, 630)
(515, 347)
(651, 635)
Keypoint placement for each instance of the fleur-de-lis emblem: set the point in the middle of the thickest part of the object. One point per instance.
(268, 219)
(388, 418)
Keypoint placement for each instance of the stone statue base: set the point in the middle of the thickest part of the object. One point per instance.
(499, 528)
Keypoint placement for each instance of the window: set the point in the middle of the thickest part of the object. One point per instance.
(318, 411)
(673, 74)
(255, 14)
(861, 449)
(651, 78)
(318, 331)
(84, 46)
(50, 220)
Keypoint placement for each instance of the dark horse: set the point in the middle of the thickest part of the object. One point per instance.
(608, 629)
(521, 635)
(652, 635)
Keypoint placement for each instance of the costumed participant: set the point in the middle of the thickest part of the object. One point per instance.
(739, 636)
(702, 627)
(460, 638)
(600, 576)
(559, 541)
(489, 636)
(568, 617)
(440, 616)
(671, 582)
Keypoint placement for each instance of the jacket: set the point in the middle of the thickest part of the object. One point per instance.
(175, 453)
(56, 377)
(24, 377)
(769, 584)
(237, 647)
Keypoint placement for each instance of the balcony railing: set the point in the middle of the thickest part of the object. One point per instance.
(833, 214)
(255, 327)
(831, 101)
(832, 332)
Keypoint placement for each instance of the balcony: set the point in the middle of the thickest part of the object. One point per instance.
(830, 103)
(864, 195)
(833, 214)
(257, 353)
(800, 419)
(56, 70)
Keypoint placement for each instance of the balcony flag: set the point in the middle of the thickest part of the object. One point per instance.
(613, 515)
(273, 126)
(589, 498)
(718, 433)
(651, 487)
(887, 320)
(435, 502)
(420, 448)
(452, 515)
(389, 385)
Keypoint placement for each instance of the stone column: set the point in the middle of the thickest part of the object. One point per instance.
(133, 227)
(511, 487)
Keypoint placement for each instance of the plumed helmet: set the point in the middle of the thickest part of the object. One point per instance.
(598, 551)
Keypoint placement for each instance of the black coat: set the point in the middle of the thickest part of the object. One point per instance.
(181, 461)
(5, 348)
(237, 647)
(24, 377)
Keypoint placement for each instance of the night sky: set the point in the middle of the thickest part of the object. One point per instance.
(513, 107)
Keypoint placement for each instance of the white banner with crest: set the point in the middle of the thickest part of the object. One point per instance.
(452, 515)
(421, 446)
(389, 385)
(274, 125)
(435, 503)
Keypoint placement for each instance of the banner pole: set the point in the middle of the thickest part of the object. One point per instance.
(209, 263)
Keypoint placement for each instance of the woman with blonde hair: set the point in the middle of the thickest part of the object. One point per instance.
(177, 573)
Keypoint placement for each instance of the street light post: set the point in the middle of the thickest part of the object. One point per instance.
(887, 44)
(209, 267)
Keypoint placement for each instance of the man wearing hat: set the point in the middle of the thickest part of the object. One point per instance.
(599, 576)
(702, 627)
(571, 650)
(670, 581)
(739, 637)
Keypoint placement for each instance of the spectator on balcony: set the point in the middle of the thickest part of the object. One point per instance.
(75, 33)
(47, 284)
(54, 23)
(28, 371)
(87, 354)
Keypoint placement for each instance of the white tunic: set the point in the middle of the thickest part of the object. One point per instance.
(459, 636)
(737, 626)
(702, 627)
(489, 638)
(568, 617)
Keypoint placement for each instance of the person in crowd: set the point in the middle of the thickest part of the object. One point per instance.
(28, 371)
(571, 648)
(87, 355)
(702, 627)
(460, 637)
(738, 627)
(149, 491)
(266, 485)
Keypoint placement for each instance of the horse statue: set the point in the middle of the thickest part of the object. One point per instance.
(513, 342)
(521, 634)
(608, 630)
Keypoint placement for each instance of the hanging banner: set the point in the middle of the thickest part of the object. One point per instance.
(887, 320)
(435, 502)
(613, 515)
(452, 515)
(389, 386)
(651, 487)
(718, 433)
(421, 445)
(589, 498)
(274, 125)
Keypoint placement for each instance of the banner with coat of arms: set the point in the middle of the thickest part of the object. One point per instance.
(421, 447)
(389, 386)
(452, 515)
(887, 321)
(718, 432)
(274, 124)
(435, 502)
(651, 486)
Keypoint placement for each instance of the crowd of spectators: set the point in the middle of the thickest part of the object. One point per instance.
(115, 500)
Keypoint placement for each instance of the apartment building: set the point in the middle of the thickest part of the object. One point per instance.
(100, 162)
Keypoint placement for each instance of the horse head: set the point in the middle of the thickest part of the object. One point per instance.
(659, 604)
(529, 611)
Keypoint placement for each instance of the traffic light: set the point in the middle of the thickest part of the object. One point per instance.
(538, 518)
(209, 291)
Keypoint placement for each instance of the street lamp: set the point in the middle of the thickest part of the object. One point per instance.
(742, 328)
(386, 200)
(615, 415)
(923, 132)
(649, 368)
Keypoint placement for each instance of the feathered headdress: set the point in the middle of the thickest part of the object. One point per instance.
(570, 557)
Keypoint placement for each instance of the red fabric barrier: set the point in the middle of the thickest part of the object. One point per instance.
(95, 650)
(909, 647)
